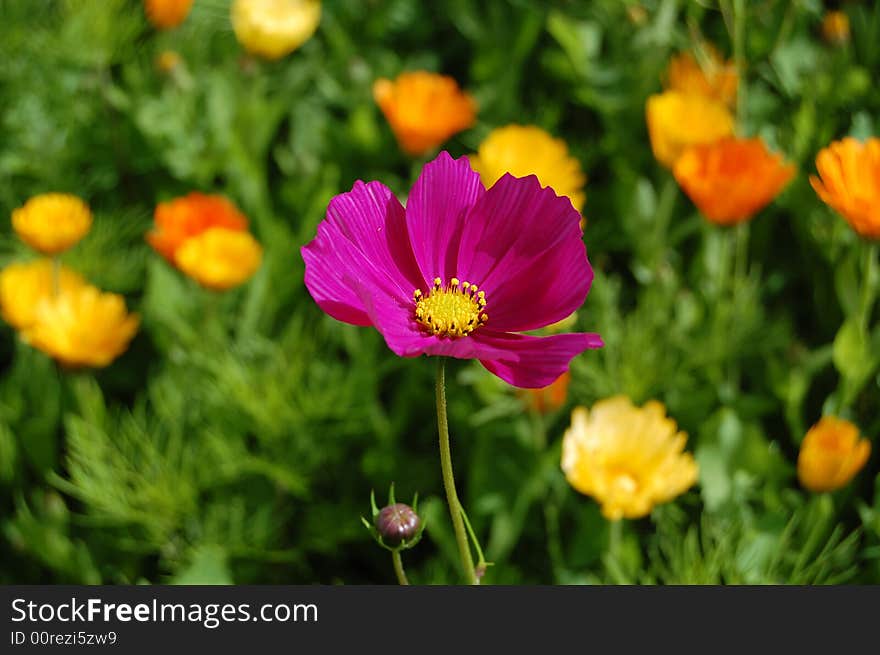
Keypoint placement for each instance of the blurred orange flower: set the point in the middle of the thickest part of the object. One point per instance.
(424, 109)
(24, 286)
(835, 27)
(274, 28)
(732, 179)
(678, 120)
(82, 327)
(52, 222)
(714, 78)
(831, 454)
(547, 399)
(220, 259)
(165, 14)
(849, 182)
(183, 218)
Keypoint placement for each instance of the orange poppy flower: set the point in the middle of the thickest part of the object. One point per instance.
(424, 109)
(165, 14)
(715, 78)
(831, 454)
(732, 179)
(180, 219)
(547, 399)
(849, 182)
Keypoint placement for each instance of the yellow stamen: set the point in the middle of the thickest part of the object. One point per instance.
(453, 311)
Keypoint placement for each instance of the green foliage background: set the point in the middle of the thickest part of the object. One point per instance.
(239, 437)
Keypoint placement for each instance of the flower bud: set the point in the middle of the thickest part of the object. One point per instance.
(397, 523)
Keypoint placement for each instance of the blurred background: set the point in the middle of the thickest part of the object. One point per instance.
(238, 438)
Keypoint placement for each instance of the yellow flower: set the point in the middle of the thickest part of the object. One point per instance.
(849, 183)
(529, 150)
(219, 258)
(424, 109)
(167, 61)
(679, 120)
(165, 14)
(831, 454)
(52, 222)
(274, 28)
(835, 27)
(713, 77)
(628, 458)
(24, 286)
(82, 326)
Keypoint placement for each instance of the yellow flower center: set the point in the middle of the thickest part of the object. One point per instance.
(453, 311)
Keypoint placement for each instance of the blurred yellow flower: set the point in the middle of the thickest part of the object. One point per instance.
(220, 258)
(52, 222)
(165, 14)
(167, 61)
(82, 327)
(711, 77)
(274, 28)
(424, 109)
(831, 454)
(24, 285)
(628, 458)
(835, 27)
(849, 182)
(678, 120)
(528, 150)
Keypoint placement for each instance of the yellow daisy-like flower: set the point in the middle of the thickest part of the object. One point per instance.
(24, 286)
(82, 327)
(523, 150)
(831, 454)
(712, 77)
(679, 120)
(52, 222)
(628, 458)
(219, 258)
(274, 28)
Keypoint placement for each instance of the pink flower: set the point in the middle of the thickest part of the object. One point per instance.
(459, 272)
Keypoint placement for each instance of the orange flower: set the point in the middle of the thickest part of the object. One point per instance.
(678, 120)
(732, 179)
(850, 183)
(835, 27)
(51, 223)
(831, 454)
(424, 109)
(714, 78)
(165, 14)
(183, 218)
(549, 398)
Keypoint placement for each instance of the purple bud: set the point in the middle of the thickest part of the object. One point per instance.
(397, 523)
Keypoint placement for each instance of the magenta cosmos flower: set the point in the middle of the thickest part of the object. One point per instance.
(460, 272)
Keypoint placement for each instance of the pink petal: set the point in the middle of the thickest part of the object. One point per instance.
(524, 247)
(437, 210)
(362, 240)
(533, 362)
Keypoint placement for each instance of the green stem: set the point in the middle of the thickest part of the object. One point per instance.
(869, 287)
(615, 537)
(464, 550)
(554, 541)
(398, 567)
(739, 56)
(662, 218)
